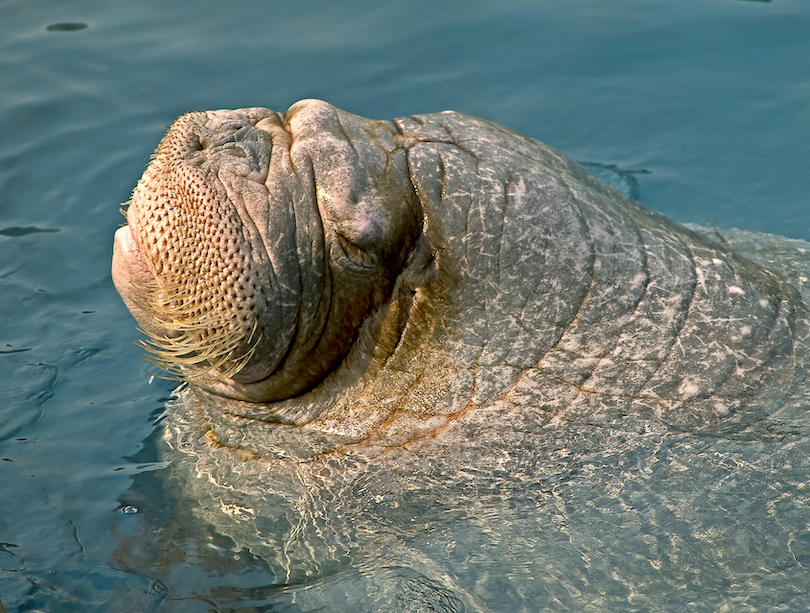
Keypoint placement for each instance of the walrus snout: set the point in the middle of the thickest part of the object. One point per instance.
(258, 244)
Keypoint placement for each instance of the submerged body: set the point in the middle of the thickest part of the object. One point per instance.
(391, 326)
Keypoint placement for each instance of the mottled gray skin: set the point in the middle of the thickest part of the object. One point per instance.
(456, 318)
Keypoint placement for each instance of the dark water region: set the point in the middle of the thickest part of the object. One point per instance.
(699, 108)
(66, 26)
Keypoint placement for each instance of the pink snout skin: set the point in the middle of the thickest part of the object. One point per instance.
(130, 270)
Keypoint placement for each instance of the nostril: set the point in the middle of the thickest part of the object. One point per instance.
(193, 142)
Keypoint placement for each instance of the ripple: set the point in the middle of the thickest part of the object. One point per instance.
(16, 231)
(67, 26)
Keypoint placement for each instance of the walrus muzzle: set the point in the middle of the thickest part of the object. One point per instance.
(258, 244)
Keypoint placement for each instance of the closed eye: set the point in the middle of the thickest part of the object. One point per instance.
(356, 255)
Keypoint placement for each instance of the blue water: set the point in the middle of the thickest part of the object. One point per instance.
(705, 103)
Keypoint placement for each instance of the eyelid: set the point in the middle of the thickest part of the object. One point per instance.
(356, 255)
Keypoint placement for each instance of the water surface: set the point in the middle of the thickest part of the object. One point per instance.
(705, 103)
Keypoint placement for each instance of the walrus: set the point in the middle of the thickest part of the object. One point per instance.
(384, 325)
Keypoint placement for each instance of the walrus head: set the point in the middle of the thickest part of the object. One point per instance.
(258, 243)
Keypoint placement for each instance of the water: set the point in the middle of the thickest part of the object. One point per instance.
(704, 103)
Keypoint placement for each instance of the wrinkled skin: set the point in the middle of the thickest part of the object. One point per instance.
(380, 319)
